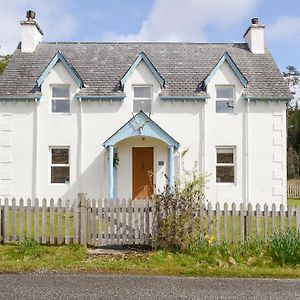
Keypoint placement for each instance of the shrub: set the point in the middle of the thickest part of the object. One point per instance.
(178, 225)
(284, 248)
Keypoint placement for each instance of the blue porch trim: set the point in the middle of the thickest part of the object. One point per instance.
(59, 57)
(140, 125)
(226, 57)
(111, 172)
(171, 168)
(143, 57)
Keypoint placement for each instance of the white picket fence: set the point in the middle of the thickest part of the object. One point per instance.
(133, 222)
(293, 190)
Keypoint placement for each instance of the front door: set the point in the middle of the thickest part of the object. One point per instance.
(142, 172)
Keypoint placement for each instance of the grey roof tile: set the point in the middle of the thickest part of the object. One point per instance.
(183, 66)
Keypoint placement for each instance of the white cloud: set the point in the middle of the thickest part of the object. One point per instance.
(53, 17)
(285, 30)
(178, 20)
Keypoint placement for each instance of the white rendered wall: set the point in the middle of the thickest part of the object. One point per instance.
(256, 40)
(28, 130)
(30, 37)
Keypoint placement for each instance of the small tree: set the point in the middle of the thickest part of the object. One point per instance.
(4, 59)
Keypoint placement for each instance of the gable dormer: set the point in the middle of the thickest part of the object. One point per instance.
(58, 57)
(142, 57)
(226, 58)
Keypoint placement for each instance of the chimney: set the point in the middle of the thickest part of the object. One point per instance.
(31, 33)
(254, 37)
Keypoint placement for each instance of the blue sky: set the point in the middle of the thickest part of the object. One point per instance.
(163, 20)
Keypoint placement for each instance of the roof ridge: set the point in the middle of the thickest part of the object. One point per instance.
(143, 42)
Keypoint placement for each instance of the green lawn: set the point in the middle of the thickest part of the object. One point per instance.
(293, 202)
(76, 259)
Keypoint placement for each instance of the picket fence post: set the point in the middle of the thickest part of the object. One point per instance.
(82, 202)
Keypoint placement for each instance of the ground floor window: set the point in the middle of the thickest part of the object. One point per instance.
(225, 161)
(60, 165)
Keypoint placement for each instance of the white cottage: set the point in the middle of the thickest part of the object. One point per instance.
(112, 119)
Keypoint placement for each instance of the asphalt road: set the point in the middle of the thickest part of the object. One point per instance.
(88, 286)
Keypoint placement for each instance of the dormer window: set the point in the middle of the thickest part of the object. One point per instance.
(142, 98)
(225, 99)
(60, 102)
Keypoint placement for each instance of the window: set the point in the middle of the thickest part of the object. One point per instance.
(225, 164)
(60, 102)
(225, 99)
(60, 166)
(142, 97)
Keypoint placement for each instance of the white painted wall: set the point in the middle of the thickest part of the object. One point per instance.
(28, 130)
(30, 37)
(255, 38)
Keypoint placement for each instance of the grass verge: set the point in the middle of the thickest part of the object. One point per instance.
(234, 262)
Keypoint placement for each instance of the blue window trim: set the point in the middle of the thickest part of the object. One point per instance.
(150, 128)
(266, 98)
(143, 56)
(226, 57)
(184, 98)
(101, 98)
(59, 57)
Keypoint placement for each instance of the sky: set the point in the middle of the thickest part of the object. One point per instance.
(158, 20)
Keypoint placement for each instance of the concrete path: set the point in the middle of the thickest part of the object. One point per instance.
(88, 286)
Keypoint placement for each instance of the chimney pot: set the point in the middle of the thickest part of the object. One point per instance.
(254, 20)
(30, 15)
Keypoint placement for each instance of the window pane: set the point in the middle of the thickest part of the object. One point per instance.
(225, 92)
(61, 106)
(225, 174)
(144, 105)
(225, 156)
(60, 156)
(142, 92)
(60, 92)
(60, 175)
(224, 106)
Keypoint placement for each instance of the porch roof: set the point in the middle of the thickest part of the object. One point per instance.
(141, 125)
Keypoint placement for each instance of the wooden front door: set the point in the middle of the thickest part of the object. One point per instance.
(142, 172)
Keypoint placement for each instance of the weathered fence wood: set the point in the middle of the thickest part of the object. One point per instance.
(234, 235)
(13, 219)
(273, 218)
(218, 234)
(51, 221)
(36, 219)
(226, 222)
(281, 214)
(28, 215)
(249, 225)
(106, 222)
(44, 221)
(67, 222)
(266, 221)
(100, 231)
(59, 222)
(21, 219)
(116, 222)
(6, 212)
(293, 190)
(258, 222)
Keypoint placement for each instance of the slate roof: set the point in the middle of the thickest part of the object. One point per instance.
(184, 66)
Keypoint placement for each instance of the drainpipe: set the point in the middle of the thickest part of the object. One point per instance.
(247, 153)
